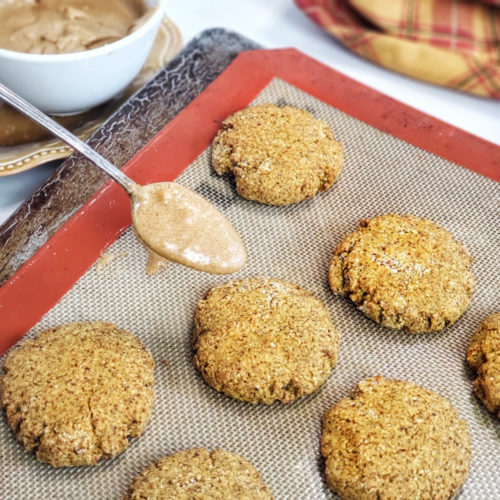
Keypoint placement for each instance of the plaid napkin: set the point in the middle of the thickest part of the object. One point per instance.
(455, 43)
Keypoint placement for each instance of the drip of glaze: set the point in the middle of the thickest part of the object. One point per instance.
(155, 263)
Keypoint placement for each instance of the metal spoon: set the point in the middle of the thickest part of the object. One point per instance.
(42, 119)
(172, 221)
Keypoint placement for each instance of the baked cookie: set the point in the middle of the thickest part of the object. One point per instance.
(394, 439)
(200, 474)
(77, 392)
(278, 155)
(404, 272)
(263, 340)
(484, 356)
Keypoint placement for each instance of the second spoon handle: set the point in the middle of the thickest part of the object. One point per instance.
(65, 135)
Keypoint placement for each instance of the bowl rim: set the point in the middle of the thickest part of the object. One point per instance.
(88, 54)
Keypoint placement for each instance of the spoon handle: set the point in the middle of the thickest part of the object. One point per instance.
(59, 131)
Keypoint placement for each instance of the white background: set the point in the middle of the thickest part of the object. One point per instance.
(279, 23)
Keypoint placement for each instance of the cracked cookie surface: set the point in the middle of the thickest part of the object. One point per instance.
(278, 155)
(262, 340)
(404, 272)
(484, 356)
(76, 393)
(200, 474)
(394, 440)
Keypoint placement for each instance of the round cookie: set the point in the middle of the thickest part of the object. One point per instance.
(394, 439)
(262, 340)
(278, 155)
(200, 474)
(404, 272)
(77, 392)
(484, 356)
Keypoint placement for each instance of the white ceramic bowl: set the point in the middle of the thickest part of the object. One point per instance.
(72, 83)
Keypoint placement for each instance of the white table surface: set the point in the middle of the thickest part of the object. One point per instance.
(277, 24)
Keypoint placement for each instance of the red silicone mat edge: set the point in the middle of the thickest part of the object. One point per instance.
(40, 283)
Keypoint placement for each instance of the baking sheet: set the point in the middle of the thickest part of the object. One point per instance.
(382, 174)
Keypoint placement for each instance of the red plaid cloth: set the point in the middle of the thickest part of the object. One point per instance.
(455, 43)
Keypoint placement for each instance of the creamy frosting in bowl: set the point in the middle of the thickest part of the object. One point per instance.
(78, 63)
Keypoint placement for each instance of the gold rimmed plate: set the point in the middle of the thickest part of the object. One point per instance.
(22, 157)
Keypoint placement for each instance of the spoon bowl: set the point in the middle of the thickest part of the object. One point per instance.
(174, 222)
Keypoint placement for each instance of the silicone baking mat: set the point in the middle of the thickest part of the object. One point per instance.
(382, 174)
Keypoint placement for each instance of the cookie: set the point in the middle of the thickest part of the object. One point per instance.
(200, 474)
(277, 155)
(394, 439)
(77, 392)
(484, 356)
(404, 272)
(262, 340)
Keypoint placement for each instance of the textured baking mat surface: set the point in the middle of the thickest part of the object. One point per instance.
(382, 174)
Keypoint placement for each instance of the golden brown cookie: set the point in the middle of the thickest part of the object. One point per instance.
(200, 474)
(404, 272)
(263, 340)
(484, 356)
(393, 439)
(77, 392)
(278, 155)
